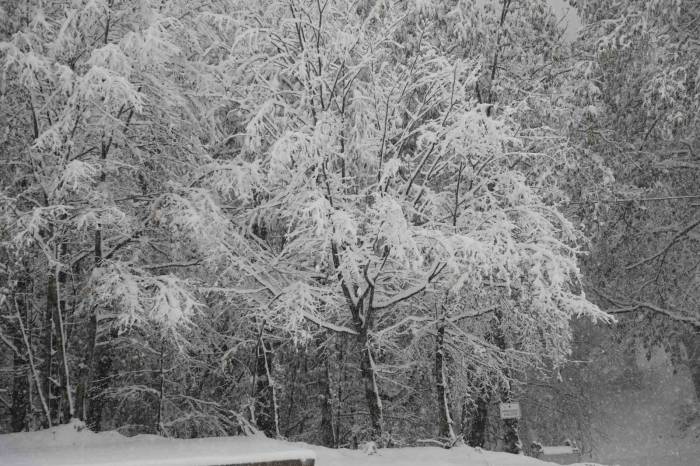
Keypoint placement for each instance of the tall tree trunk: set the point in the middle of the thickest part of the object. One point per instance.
(85, 389)
(161, 389)
(68, 409)
(327, 431)
(266, 407)
(19, 397)
(511, 437)
(99, 381)
(342, 380)
(368, 370)
(445, 429)
(369, 379)
(43, 396)
(47, 347)
(479, 415)
(97, 363)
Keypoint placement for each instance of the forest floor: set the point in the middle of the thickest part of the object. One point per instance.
(649, 419)
(64, 445)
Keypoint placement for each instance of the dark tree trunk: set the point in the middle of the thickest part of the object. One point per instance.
(445, 429)
(692, 349)
(85, 391)
(511, 437)
(161, 389)
(82, 387)
(99, 382)
(327, 431)
(86, 374)
(342, 381)
(97, 364)
(369, 379)
(47, 348)
(479, 415)
(64, 405)
(266, 409)
(19, 397)
(61, 404)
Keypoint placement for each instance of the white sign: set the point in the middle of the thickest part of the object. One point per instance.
(510, 410)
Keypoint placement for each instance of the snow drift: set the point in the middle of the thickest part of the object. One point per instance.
(73, 444)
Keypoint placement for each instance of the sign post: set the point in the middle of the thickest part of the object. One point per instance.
(510, 410)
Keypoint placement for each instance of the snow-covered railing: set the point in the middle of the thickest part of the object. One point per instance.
(563, 454)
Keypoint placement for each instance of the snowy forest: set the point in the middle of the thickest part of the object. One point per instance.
(341, 221)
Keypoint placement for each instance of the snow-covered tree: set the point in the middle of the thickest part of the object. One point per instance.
(638, 102)
(380, 178)
(104, 124)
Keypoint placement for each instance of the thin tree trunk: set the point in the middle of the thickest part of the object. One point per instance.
(341, 381)
(20, 389)
(445, 429)
(99, 381)
(47, 344)
(161, 389)
(35, 372)
(374, 402)
(266, 407)
(327, 432)
(19, 397)
(61, 334)
(60, 388)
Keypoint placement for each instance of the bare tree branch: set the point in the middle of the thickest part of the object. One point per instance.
(626, 307)
(675, 239)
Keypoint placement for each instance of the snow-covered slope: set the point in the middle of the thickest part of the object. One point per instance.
(73, 445)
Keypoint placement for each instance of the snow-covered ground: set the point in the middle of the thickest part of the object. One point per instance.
(71, 445)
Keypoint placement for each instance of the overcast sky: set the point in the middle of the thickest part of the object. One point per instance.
(564, 11)
(570, 17)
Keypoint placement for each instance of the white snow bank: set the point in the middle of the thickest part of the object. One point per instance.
(73, 445)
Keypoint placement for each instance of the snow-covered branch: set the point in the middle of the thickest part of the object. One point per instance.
(411, 292)
(329, 325)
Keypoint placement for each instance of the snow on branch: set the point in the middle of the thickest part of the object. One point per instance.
(409, 293)
(328, 325)
(625, 307)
